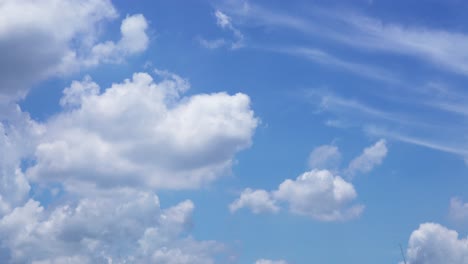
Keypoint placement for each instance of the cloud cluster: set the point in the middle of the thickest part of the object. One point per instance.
(40, 39)
(320, 193)
(112, 227)
(102, 156)
(432, 243)
(105, 151)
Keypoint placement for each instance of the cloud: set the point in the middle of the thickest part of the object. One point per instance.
(143, 133)
(41, 39)
(19, 135)
(440, 47)
(134, 40)
(258, 201)
(267, 261)
(113, 227)
(321, 57)
(317, 194)
(320, 195)
(224, 22)
(432, 243)
(325, 157)
(458, 210)
(211, 44)
(371, 156)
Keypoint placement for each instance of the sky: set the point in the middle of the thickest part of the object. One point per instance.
(233, 131)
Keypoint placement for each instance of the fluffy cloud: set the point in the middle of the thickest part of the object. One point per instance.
(258, 201)
(121, 226)
(320, 195)
(317, 194)
(45, 38)
(267, 261)
(458, 210)
(324, 157)
(143, 133)
(370, 157)
(434, 244)
(18, 137)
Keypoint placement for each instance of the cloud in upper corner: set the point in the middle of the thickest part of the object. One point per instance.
(49, 38)
(371, 156)
(433, 243)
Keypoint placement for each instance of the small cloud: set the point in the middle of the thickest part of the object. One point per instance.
(325, 157)
(370, 157)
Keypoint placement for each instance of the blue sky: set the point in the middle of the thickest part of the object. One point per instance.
(233, 131)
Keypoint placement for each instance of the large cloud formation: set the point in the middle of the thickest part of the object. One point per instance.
(123, 226)
(143, 133)
(79, 187)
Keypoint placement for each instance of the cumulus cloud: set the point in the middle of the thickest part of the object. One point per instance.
(134, 40)
(143, 133)
(40, 39)
(115, 227)
(371, 156)
(318, 194)
(458, 210)
(267, 261)
(258, 201)
(432, 243)
(18, 137)
(325, 157)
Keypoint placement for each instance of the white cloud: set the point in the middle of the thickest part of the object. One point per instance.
(115, 227)
(134, 40)
(18, 137)
(371, 156)
(440, 47)
(458, 210)
(320, 195)
(317, 194)
(258, 201)
(38, 36)
(49, 38)
(211, 44)
(432, 243)
(224, 22)
(325, 157)
(267, 261)
(143, 133)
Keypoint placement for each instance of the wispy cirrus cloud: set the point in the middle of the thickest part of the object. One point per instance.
(446, 50)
